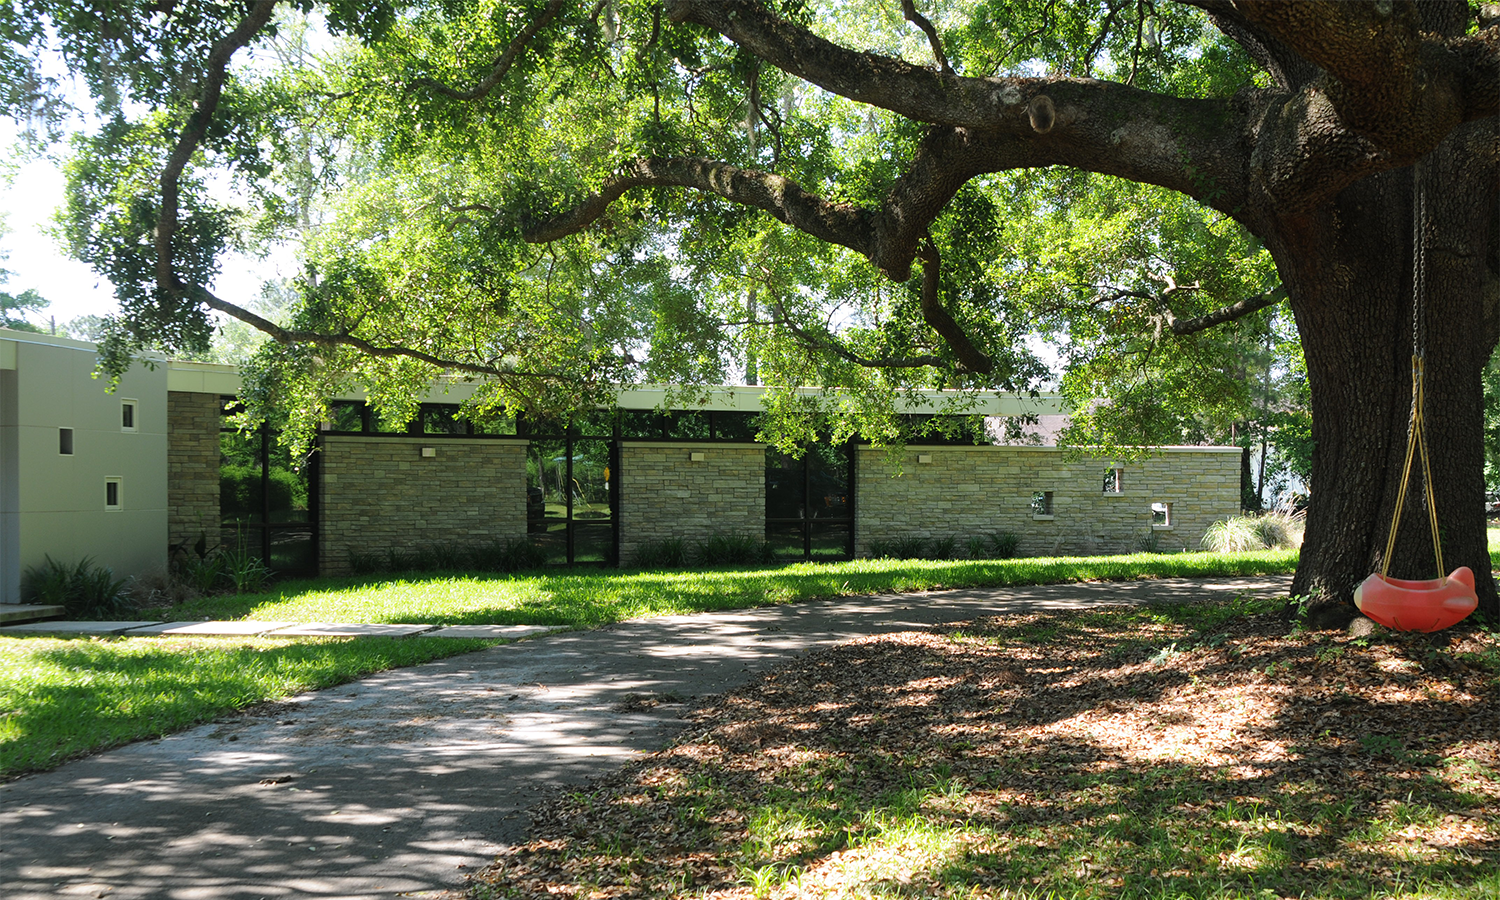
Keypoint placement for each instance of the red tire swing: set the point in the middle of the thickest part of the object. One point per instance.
(1396, 602)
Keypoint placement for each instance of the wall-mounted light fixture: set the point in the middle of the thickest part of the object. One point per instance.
(925, 458)
(429, 452)
(697, 456)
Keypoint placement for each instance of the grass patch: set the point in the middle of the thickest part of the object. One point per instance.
(63, 698)
(586, 599)
(976, 762)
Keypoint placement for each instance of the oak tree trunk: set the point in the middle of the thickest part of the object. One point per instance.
(1348, 269)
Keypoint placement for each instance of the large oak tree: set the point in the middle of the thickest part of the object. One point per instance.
(651, 152)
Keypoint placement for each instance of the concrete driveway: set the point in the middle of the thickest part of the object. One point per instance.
(398, 784)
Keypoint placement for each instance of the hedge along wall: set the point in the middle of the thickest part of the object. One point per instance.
(382, 494)
(666, 494)
(192, 468)
(965, 491)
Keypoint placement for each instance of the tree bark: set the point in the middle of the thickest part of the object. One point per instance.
(1348, 268)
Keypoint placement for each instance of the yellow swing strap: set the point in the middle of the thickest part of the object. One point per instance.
(1415, 440)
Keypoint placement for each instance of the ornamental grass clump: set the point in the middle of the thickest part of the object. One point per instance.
(1242, 534)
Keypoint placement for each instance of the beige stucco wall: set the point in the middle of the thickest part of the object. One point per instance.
(192, 468)
(965, 491)
(380, 494)
(53, 504)
(666, 494)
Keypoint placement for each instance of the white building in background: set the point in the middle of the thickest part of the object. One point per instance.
(83, 470)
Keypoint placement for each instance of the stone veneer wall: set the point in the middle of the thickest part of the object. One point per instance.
(665, 495)
(381, 494)
(980, 490)
(192, 468)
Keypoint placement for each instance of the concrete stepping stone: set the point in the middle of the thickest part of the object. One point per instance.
(29, 612)
(325, 629)
(492, 631)
(69, 627)
(217, 628)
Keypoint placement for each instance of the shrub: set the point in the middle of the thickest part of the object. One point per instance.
(1004, 544)
(908, 547)
(1241, 534)
(732, 550)
(245, 571)
(667, 554)
(942, 548)
(881, 549)
(513, 555)
(361, 563)
(978, 547)
(86, 590)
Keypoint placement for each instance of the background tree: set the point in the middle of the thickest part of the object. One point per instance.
(563, 196)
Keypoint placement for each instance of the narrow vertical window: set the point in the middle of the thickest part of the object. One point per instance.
(65, 441)
(1041, 504)
(1161, 515)
(127, 415)
(112, 494)
(1114, 480)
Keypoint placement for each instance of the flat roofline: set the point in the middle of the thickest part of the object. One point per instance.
(191, 376)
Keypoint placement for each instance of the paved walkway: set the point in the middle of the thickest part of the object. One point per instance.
(399, 784)
(245, 628)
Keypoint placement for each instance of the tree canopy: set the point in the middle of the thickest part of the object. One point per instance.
(869, 195)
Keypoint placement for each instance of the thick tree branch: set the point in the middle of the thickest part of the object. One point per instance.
(1289, 69)
(192, 134)
(909, 10)
(317, 338)
(501, 64)
(783, 198)
(1165, 315)
(1224, 314)
(1193, 146)
(937, 317)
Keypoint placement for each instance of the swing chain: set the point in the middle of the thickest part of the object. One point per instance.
(1415, 431)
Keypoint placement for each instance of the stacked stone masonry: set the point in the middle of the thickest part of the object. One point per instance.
(666, 494)
(968, 491)
(192, 468)
(382, 494)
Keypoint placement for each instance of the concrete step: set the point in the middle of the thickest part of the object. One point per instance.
(16, 613)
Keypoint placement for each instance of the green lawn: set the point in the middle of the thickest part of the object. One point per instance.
(589, 598)
(62, 698)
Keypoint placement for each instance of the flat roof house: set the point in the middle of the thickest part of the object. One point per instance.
(125, 477)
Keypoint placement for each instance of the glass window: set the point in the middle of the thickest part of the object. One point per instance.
(112, 496)
(1114, 481)
(346, 416)
(547, 497)
(1161, 515)
(736, 426)
(127, 415)
(443, 418)
(641, 424)
(596, 423)
(785, 494)
(500, 422)
(65, 441)
(1041, 503)
(828, 481)
(691, 426)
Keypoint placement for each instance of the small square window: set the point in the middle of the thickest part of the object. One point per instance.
(113, 498)
(1161, 515)
(65, 441)
(1114, 480)
(1041, 504)
(127, 415)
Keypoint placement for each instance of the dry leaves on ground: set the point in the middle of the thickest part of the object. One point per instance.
(1186, 751)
